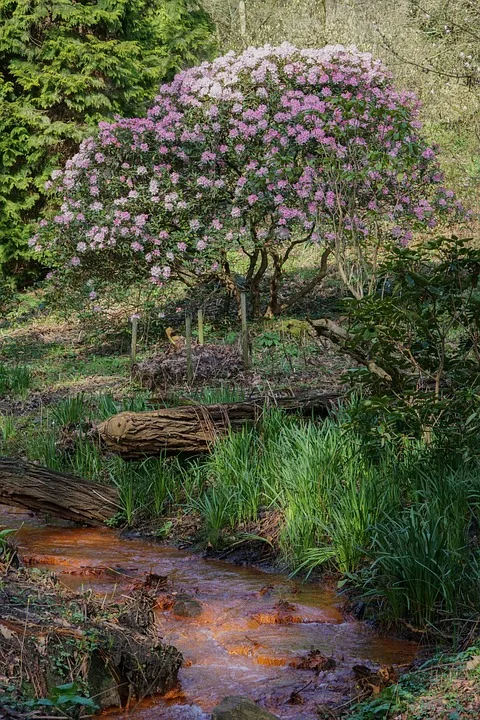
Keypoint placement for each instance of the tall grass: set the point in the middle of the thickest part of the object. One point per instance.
(72, 410)
(14, 381)
(402, 526)
(8, 430)
(421, 569)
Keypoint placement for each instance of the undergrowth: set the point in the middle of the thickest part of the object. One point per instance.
(399, 527)
(444, 687)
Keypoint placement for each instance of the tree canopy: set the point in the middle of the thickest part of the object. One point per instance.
(66, 65)
(257, 152)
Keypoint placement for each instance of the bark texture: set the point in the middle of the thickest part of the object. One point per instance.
(194, 428)
(23, 484)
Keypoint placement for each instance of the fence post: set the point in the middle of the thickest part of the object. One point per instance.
(133, 348)
(245, 350)
(200, 326)
(188, 348)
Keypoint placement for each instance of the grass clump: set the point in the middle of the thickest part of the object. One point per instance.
(446, 687)
(15, 381)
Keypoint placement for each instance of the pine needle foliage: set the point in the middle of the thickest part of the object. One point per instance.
(65, 66)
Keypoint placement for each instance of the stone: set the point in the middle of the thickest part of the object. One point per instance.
(186, 606)
(236, 707)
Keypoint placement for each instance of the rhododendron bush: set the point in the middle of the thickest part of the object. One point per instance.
(249, 155)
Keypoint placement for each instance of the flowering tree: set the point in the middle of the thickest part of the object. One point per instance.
(257, 153)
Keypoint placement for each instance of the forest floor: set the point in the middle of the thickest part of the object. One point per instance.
(445, 688)
(67, 358)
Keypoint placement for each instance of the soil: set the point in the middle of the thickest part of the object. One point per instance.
(50, 635)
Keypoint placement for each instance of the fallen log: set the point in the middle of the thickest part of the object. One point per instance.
(24, 484)
(194, 428)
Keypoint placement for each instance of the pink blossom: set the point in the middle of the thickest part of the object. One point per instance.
(428, 154)
(291, 130)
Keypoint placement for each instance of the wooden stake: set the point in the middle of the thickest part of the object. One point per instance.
(200, 326)
(242, 12)
(188, 348)
(245, 350)
(133, 350)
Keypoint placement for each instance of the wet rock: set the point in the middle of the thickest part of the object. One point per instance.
(236, 707)
(186, 606)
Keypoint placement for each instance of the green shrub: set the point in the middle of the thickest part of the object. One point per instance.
(422, 328)
(66, 66)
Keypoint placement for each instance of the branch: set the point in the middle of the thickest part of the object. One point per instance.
(424, 68)
(338, 335)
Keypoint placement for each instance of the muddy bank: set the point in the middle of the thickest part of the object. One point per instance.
(242, 631)
(51, 636)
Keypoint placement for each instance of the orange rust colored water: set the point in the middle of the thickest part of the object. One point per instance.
(237, 645)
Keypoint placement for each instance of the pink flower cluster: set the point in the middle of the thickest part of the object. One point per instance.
(272, 146)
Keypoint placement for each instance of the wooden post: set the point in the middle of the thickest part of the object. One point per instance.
(245, 351)
(133, 350)
(242, 13)
(188, 348)
(200, 326)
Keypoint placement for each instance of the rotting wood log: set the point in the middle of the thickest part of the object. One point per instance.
(194, 428)
(24, 484)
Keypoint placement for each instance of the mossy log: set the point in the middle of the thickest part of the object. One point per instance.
(195, 428)
(24, 484)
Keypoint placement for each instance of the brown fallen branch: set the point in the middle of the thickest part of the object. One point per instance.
(23, 484)
(338, 335)
(194, 428)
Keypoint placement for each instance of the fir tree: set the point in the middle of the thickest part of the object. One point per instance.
(66, 65)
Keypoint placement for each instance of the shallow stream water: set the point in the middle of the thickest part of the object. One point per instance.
(236, 646)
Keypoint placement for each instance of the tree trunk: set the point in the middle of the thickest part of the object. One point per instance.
(194, 428)
(23, 484)
(274, 305)
(254, 284)
(312, 284)
(242, 13)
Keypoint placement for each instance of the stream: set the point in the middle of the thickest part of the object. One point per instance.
(253, 623)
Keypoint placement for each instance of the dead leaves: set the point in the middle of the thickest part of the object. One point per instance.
(314, 661)
(372, 682)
